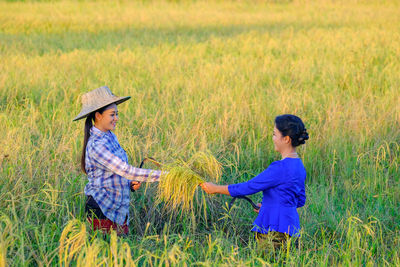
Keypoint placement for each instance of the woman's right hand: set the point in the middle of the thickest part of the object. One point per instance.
(135, 185)
(258, 204)
(209, 188)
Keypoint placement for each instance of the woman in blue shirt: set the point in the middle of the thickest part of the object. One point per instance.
(282, 183)
(104, 161)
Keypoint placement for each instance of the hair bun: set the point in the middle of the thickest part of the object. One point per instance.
(303, 136)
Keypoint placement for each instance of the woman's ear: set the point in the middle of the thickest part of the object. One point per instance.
(97, 116)
(287, 139)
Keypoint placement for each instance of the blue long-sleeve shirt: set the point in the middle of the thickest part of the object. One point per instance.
(109, 175)
(282, 184)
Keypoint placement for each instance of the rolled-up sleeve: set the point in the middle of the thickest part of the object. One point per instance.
(103, 156)
(266, 179)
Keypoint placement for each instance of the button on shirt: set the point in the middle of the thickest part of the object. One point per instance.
(283, 187)
(109, 175)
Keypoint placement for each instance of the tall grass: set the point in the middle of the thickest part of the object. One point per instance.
(202, 76)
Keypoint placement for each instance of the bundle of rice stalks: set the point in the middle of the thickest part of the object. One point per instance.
(206, 165)
(178, 186)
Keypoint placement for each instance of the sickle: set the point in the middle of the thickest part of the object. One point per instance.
(155, 162)
(245, 198)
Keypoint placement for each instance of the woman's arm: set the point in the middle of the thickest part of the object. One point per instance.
(211, 188)
(268, 178)
(102, 155)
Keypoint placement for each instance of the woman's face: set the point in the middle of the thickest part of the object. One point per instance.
(280, 142)
(108, 119)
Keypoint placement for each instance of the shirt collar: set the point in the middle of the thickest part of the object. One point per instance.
(97, 132)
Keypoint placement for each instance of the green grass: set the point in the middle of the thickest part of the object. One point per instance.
(203, 76)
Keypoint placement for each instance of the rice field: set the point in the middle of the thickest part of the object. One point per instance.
(203, 76)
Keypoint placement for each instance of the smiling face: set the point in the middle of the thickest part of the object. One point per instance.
(281, 143)
(107, 120)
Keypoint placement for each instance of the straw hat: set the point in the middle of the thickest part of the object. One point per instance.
(97, 99)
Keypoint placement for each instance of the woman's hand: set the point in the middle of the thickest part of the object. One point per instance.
(258, 204)
(209, 188)
(135, 185)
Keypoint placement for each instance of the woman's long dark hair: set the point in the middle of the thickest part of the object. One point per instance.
(88, 125)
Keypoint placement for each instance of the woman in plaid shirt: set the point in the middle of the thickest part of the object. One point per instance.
(104, 161)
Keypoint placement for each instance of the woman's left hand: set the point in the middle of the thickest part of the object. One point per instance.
(135, 185)
(258, 204)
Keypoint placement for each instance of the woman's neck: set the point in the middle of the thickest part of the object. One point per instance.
(289, 153)
(100, 128)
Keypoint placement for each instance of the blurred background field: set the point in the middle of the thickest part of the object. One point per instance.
(203, 75)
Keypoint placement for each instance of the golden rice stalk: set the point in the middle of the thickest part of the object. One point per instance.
(93, 254)
(75, 245)
(178, 186)
(6, 238)
(205, 164)
(72, 240)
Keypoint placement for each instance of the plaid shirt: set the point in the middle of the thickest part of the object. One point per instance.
(109, 175)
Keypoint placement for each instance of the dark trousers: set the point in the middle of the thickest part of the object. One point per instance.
(92, 209)
(99, 221)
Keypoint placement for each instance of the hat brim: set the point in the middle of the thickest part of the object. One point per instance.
(85, 113)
